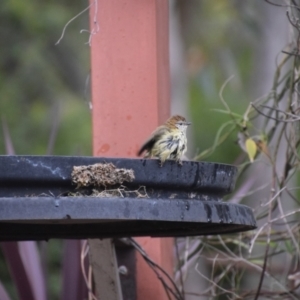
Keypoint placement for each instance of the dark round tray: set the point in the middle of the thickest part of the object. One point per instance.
(180, 200)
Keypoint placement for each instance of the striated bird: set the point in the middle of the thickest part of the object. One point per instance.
(168, 141)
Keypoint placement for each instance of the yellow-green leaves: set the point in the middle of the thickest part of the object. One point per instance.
(251, 148)
(251, 145)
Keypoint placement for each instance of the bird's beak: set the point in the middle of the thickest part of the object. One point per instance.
(188, 123)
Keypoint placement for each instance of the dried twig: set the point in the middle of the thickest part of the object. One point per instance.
(173, 289)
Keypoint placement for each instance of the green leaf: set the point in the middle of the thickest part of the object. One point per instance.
(251, 148)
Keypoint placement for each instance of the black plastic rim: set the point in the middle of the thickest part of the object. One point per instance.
(183, 200)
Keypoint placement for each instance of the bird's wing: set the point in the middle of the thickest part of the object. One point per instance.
(171, 143)
(149, 143)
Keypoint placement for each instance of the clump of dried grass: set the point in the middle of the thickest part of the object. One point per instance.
(100, 175)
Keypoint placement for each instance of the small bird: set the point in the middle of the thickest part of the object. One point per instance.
(168, 141)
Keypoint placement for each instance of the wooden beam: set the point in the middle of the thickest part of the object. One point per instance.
(105, 269)
(131, 96)
(130, 74)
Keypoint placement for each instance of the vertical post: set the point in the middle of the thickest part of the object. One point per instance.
(130, 94)
(105, 269)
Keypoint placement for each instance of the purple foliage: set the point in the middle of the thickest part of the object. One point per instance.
(31, 260)
(73, 285)
(3, 293)
(17, 270)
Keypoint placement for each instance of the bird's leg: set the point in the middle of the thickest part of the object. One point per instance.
(162, 157)
(179, 161)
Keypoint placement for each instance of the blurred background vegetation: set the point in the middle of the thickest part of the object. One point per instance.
(44, 88)
(43, 85)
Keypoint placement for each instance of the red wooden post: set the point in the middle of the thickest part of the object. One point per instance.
(130, 92)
